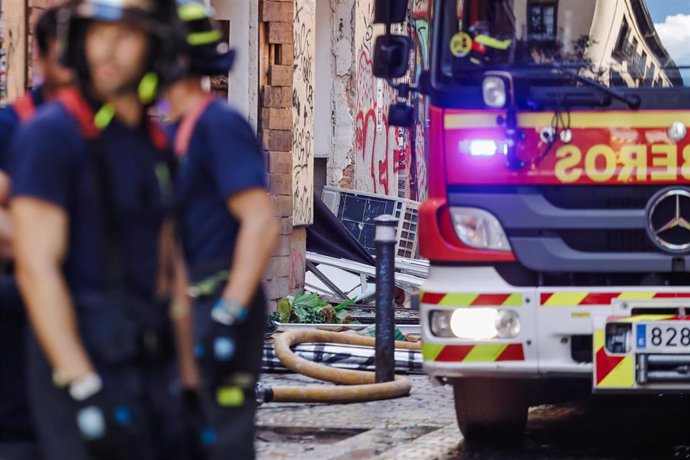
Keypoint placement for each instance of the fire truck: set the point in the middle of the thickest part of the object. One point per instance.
(557, 223)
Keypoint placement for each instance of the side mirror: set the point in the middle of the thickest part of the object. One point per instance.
(390, 11)
(391, 56)
(401, 114)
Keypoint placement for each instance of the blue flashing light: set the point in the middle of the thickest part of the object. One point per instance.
(483, 148)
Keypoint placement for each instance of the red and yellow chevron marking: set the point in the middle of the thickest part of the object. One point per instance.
(470, 299)
(574, 299)
(611, 371)
(640, 318)
(480, 353)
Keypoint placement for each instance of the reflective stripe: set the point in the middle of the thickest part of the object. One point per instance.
(430, 351)
(485, 353)
(637, 295)
(564, 298)
(104, 116)
(209, 285)
(460, 300)
(204, 38)
(192, 11)
(148, 88)
(492, 42)
(639, 318)
(611, 371)
(478, 353)
(574, 299)
(230, 396)
(515, 300)
(472, 299)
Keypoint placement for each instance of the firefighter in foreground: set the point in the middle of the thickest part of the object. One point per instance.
(90, 193)
(16, 433)
(228, 231)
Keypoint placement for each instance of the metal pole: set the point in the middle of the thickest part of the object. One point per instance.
(385, 240)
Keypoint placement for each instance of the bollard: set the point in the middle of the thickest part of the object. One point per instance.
(385, 240)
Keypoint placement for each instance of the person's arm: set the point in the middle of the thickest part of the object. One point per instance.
(5, 223)
(4, 188)
(239, 169)
(256, 240)
(172, 263)
(40, 245)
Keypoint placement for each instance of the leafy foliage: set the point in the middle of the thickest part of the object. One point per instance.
(309, 308)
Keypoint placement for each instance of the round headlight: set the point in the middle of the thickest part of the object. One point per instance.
(494, 92)
(508, 324)
(439, 322)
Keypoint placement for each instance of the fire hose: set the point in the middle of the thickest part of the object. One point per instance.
(354, 386)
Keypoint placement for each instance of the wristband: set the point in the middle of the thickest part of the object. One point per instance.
(229, 312)
(85, 387)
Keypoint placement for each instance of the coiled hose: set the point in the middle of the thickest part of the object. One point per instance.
(357, 386)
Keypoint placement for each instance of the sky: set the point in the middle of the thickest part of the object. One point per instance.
(661, 9)
(672, 21)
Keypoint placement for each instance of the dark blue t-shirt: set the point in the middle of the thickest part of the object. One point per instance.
(9, 123)
(15, 421)
(54, 163)
(224, 157)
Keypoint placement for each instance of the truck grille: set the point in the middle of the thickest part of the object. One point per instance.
(600, 197)
(575, 229)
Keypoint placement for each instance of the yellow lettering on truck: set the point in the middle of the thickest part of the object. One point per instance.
(633, 163)
(596, 153)
(633, 160)
(665, 157)
(685, 168)
(566, 169)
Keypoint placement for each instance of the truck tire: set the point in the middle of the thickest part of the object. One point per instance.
(490, 408)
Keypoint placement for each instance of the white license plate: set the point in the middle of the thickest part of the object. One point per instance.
(666, 337)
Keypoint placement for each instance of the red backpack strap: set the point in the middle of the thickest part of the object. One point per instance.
(25, 108)
(158, 137)
(75, 104)
(188, 123)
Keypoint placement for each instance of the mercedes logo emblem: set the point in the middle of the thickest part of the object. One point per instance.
(668, 220)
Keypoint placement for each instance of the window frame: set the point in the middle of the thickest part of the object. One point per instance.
(542, 5)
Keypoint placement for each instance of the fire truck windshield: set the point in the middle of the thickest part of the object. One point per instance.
(618, 43)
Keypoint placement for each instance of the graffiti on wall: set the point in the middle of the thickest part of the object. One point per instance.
(388, 160)
(419, 32)
(377, 151)
(303, 113)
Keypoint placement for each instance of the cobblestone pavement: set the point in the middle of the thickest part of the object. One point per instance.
(413, 427)
(422, 426)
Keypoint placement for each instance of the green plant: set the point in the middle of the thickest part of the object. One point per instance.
(309, 308)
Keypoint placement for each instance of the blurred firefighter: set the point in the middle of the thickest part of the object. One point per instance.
(228, 230)
(16, 432)
(92, 185)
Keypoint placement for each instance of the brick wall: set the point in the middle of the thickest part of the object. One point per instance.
(286, 270)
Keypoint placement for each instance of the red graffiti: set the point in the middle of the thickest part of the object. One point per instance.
(376, 143)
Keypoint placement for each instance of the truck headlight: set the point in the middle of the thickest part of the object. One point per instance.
(494, 92)
(439, 323)
(619, 337)
(508, 324)
(479, 229)
(475, 323)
